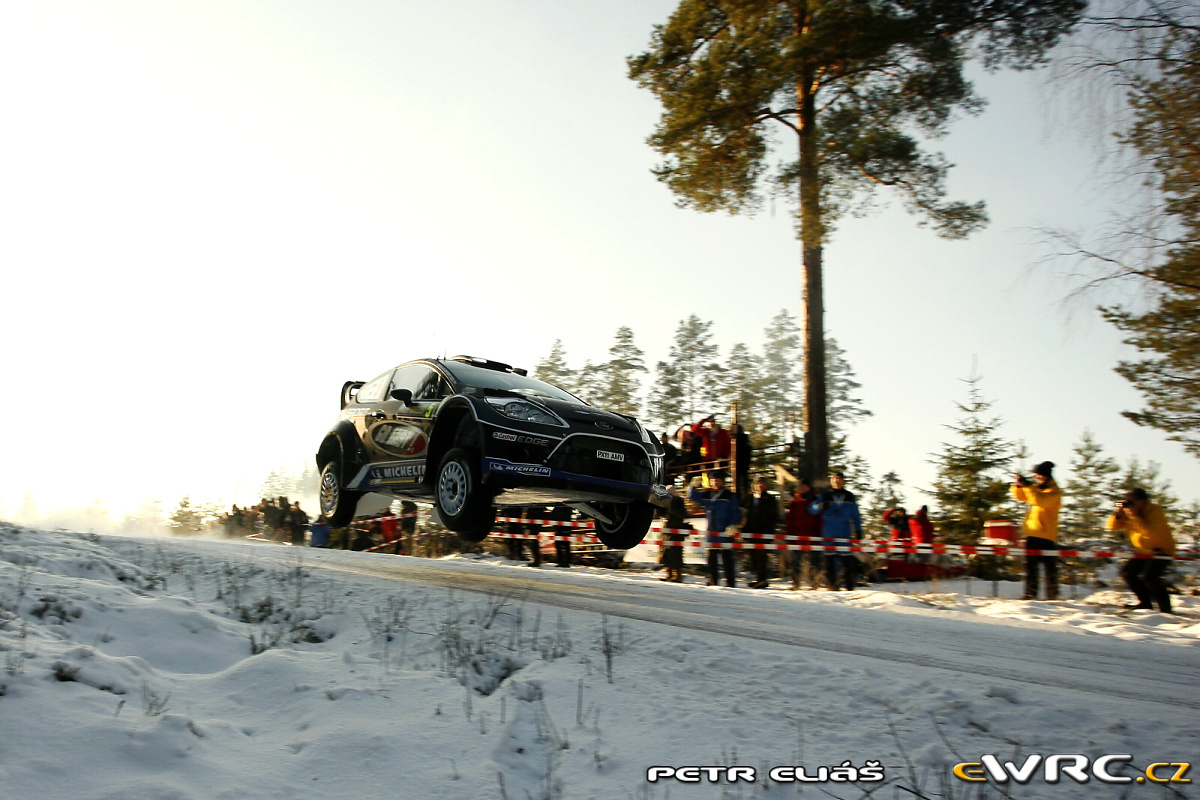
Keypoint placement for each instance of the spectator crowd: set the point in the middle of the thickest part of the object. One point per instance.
(699, 461)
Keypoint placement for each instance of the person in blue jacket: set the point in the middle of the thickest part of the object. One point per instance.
(320, 532)
(840, 519)
(723, 511)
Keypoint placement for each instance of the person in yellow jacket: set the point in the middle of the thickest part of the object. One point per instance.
(1040, 528)
(1149, 536)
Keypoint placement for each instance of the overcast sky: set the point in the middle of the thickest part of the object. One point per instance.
(214, 213)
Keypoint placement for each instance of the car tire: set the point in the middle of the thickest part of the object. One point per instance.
(463, 505)
(630, 521)
(336, 501)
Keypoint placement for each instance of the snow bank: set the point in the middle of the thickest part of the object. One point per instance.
(185, 669)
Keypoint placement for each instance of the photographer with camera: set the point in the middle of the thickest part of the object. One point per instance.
(1040, 528)
(1149, 536)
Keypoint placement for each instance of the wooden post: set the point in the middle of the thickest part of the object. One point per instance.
(734, 456)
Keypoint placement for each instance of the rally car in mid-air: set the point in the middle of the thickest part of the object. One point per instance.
(473, 435)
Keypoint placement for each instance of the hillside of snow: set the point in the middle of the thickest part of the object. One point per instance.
(165, 669)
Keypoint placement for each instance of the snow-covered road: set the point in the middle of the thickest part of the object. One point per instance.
(993, 648)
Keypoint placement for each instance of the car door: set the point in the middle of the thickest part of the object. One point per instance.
(399, 431)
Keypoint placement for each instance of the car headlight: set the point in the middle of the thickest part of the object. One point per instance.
(524, 411)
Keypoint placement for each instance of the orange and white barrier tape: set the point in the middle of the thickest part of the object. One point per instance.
(805, 544)
(784, 542)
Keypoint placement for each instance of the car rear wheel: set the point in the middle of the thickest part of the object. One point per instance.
(464, 506)
(337, 502)
(630, 521)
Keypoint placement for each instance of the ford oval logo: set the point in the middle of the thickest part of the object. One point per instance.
(604, 426)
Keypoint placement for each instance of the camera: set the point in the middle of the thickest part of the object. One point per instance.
(1023, 481)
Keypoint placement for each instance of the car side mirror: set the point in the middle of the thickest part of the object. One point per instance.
(403, 395)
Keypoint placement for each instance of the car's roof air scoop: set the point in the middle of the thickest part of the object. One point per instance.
(487, 364)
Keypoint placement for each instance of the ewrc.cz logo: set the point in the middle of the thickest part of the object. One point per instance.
(1074, 766)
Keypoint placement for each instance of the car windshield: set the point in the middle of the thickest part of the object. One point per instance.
(478, 380)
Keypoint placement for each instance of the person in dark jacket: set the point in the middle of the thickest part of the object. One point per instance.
(296, 523)
(532, 529)
(762, 518)
(562, 544)
(363, 533)
(516, 532)
(674, 532)
(408, 526)
(272, 519)
(840, 519)
(670, 452)
(690, 447)
(723, 512)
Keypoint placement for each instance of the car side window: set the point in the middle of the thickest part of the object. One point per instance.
(408, 378)
(433, 387)
(372, 391)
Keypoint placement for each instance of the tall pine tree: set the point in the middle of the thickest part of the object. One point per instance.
(849, 84)
(1167, 136)
(1150, 51)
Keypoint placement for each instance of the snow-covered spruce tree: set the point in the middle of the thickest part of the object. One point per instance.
(1088, 496)
(971, 473)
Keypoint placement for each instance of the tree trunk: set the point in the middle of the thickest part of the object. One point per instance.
(812, 237)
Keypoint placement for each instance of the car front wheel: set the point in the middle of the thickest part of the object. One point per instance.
(630, 521)
(463, 504)
(337, 502)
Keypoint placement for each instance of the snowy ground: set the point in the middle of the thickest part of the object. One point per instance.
(159, 669)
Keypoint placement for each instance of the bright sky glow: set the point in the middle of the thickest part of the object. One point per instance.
(216, 212)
